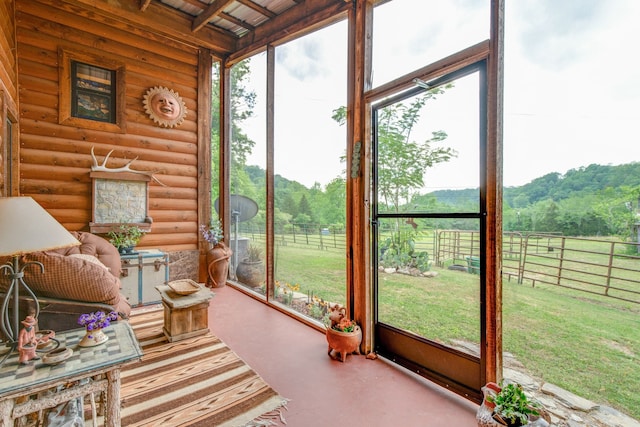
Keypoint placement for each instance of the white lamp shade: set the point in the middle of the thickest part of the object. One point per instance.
(26, 227)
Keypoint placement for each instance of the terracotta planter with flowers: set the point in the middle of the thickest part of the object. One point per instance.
(343, 335)
(343, 343)
(218, 255)
(218, 265)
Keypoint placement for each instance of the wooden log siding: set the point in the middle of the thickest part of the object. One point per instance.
(7, 52)
(8, 88)
(56, 159)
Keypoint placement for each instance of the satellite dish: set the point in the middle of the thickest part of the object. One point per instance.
(242, 208)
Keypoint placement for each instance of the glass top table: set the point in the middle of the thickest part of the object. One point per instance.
(102, 362)
(122, 347)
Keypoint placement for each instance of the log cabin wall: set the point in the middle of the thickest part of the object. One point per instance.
(55, 159)
(8, 90)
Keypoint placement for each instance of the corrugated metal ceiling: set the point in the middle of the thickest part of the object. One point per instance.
(236, 17)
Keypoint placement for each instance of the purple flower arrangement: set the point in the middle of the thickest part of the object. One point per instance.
(97, 320)
(213, 233)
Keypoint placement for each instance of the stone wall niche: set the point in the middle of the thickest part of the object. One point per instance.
(119, 198)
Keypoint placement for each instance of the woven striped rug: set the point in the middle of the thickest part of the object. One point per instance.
(194, 382)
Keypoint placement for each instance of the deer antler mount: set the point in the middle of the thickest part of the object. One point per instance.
(126, 168)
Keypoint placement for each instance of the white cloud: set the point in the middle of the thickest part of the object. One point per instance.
(571, 92)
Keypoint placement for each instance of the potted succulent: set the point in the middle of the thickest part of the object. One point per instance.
(508, 405)
(250, 269)
(125, 237)
(218, 254)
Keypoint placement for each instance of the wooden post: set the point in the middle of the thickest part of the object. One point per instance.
(359, 81)
(6, 407)
(112, 412)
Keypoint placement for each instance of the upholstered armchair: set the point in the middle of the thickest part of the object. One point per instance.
(76, 280)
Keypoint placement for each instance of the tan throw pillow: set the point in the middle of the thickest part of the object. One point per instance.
(71, 278)
(90, 258)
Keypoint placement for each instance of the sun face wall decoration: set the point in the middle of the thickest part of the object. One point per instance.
(164, 106)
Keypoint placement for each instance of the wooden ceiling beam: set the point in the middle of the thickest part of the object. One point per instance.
(261, 10)
(304, 17)
(209, 13)
(236, 21)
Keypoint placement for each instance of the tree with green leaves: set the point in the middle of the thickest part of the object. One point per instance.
(403, 161)
(304, 208)
(242, 104)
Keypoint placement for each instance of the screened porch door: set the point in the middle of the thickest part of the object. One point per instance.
(428, 216)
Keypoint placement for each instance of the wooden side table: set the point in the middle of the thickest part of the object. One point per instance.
(185, 316)
(100, 364)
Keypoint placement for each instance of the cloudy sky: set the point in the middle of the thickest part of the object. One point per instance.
(571, 97)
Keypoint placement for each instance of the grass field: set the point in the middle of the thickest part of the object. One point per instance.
(587, 344)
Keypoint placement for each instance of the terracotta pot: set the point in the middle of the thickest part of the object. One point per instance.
(218, 265)
(43, 337)
(486, 417)
(343, 343)
(57, 356)
(490, 390)
(250, 273)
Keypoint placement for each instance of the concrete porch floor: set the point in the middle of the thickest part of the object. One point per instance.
(292, 358)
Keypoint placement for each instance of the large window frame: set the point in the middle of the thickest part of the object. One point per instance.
(360, 95)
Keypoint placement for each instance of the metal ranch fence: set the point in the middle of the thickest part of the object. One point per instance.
(597, 266)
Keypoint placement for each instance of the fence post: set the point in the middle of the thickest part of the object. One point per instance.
(609, 267)
(561, 267)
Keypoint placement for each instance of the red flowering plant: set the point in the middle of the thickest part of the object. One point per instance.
(97, 320)
(345, 325)
(336, 319)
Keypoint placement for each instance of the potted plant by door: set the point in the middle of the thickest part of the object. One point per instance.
(218, 254)
(508, 405)
(250, 270)
(344, 336)
(125, 237)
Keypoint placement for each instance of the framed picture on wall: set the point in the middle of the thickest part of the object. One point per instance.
(91, 92)
(94, 107)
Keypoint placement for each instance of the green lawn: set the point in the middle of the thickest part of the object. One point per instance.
(587, 344)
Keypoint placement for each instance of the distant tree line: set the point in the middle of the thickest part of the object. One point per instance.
(595, 200)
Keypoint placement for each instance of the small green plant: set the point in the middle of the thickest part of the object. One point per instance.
(254, 253)
(513, 407)
(317, 307)
(315, 311)
(125, 236)
(286, 292)
(399, 251)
